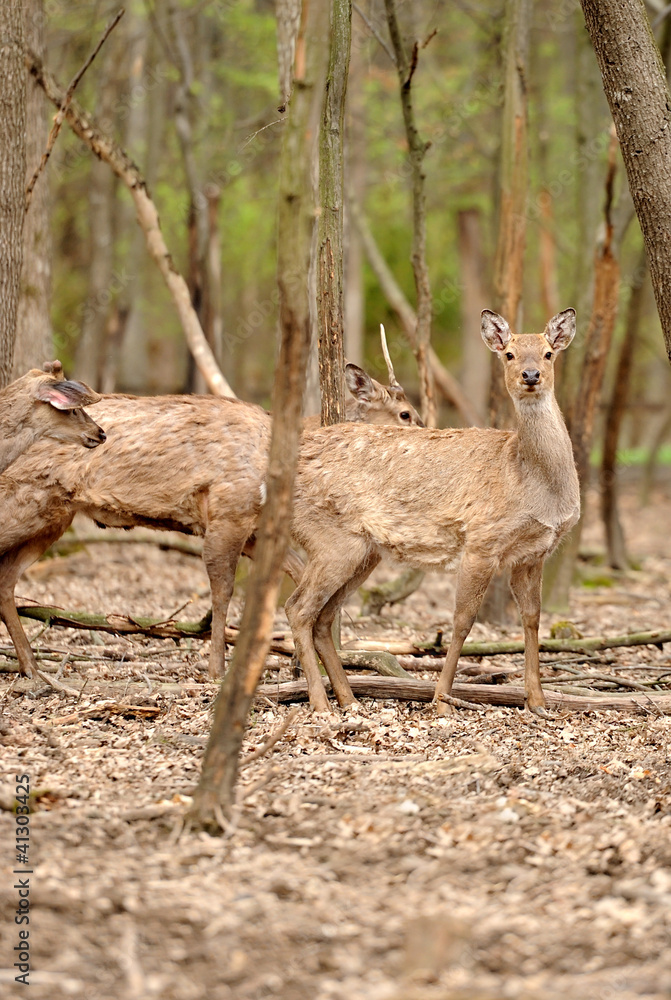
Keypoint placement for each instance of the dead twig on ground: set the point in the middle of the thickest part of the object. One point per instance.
(271, 741)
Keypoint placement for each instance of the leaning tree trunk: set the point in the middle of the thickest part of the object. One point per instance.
(12, 177)
(634, 81)
(215, 795)
(330, 299)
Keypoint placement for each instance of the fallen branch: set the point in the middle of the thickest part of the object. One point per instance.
(66, 543)
(583, 645)
(116, 624)
(283, 643)
(480, 694)
(84, 126)
(383, 663)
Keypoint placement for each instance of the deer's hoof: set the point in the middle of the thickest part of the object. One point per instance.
(539, 710)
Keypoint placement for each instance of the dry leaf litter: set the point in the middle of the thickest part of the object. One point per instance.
(385, 854)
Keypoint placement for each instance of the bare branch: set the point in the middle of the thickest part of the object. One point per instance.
(376, 34)
(106, 149)
(60, 116)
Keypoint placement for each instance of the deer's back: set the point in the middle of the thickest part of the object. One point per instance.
(168, 462)
(420, 495)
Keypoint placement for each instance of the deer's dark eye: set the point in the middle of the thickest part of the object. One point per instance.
(405, 415)
(548, 356)
(510, 355)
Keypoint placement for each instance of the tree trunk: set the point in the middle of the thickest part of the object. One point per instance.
(473, 298)
(288, 15)
(498, 605)
(330, 300)
(34, 341)
(12, 177)
(591, 135)
(634, 82)
(599, 336)
(89, 354)
(215, 796)
(615, 542)
(355, 147)
(406, 65)
(144, 127)
(509, 258)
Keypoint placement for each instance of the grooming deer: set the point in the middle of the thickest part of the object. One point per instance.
(43, 404)
(479, 499)
(194, 464)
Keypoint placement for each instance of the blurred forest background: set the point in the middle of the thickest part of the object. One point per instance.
(190, 89)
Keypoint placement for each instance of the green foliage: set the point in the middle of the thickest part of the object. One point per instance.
(236, 129)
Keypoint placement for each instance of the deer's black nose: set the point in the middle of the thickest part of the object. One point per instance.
(531, 376)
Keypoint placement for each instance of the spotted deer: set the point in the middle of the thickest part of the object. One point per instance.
(478, 499)
(43, 404)
(195, 464)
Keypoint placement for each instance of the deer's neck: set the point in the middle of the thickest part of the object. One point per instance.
(546, 463)
(13, 442)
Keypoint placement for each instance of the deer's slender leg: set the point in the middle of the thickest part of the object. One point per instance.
(222, 548)
(323, 635)
(12, 565)
(525, 583)
(321, 580)
(472, 581)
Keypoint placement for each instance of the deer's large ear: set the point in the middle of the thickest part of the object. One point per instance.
(66, 395)
(495, 331)
(560, 331)
(361, 385)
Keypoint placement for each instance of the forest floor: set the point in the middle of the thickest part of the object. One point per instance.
(390, 855)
